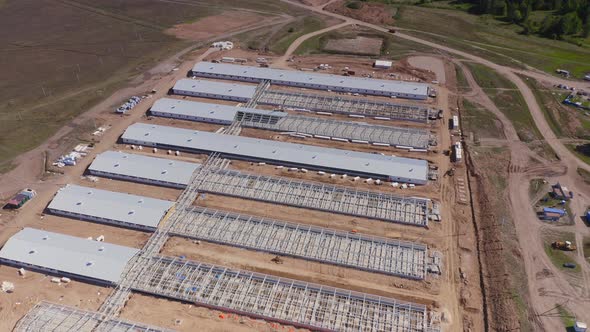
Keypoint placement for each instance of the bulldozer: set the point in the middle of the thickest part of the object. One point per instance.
(563, 245)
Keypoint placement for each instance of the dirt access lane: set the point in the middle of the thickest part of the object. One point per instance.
(567, 156)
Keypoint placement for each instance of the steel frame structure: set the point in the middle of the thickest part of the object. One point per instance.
(403, 259)
(344, 105)
(50, 317)
(362, 132)
(324, 197)
(287, 301)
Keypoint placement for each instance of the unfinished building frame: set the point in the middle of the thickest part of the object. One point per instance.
(343, 105)
(318, 196)
(349, 131)
(287, 301)
(46, 316)
(403, 259)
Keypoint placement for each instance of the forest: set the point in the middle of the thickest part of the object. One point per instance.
(565, 17)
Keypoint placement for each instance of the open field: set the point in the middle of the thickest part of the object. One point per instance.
(49, 81)
(492, 39)
(560, 257)
(392, 47)
(508, 99)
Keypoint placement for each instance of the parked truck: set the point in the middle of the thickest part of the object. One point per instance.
(563, 245)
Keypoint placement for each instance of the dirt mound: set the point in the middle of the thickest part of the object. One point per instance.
(376, 13)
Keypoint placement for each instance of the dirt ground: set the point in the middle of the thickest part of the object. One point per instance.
(214, 25)
(188, 317)
(308, 271)
(359, 45)
(34, 287)
(372, 12)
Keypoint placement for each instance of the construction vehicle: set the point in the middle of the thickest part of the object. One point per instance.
(561, 245)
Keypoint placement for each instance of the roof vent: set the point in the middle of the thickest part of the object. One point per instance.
(45, 237)
(101, 249)
(117, 165)
(140, 201)
(171, 163)
(32, 251)
(125, 156)
(89, 263)
(89, 193)
(132, 212)
(172, 107)
(79, 203)
(164, 171)
(146, 134)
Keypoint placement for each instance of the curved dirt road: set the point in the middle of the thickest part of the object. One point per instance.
(547, 291)
(510, 73)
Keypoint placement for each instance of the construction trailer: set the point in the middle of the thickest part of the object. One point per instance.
(458, 152)
(382, 64)
(312, 80)
(20, 199)
(352, 163)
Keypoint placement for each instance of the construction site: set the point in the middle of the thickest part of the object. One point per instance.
(255, 205)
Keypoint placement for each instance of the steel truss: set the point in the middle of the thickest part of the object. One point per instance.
(403, 259)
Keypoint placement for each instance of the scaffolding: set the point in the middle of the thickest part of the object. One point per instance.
(50, 317)
(360, 132)
(344, 105)
(287, 301)
(318, 196)
(403, 259)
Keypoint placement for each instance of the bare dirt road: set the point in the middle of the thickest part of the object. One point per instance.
(545, 292)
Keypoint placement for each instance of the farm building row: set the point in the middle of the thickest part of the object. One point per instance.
(287, 154)
(312, 80)
(109, 207)
(355, 132)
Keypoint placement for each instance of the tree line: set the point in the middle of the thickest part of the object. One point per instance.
(569, 18)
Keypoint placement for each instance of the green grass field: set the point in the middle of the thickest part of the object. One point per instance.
(560, 257)
(479, 121)
(493, 39)
(508, 99)
(584, 157)
(292, 31)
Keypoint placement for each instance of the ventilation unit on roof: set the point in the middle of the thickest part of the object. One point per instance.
(89, 193)
(164, 171)
(32, 251)
(79, 203)
(173, 107)
(89, 263)
(45, 237)
(117, 165)
(125, 156)
(101, 249)
(140, 201)
(131, 212)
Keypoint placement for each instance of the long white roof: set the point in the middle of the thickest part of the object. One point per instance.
(69, 254)
(144, 167)
(252, 148)
(206, 110)
(110, 205)
(215, 88)
(300, 77)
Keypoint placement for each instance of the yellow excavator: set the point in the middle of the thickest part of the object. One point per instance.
(563, 245)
